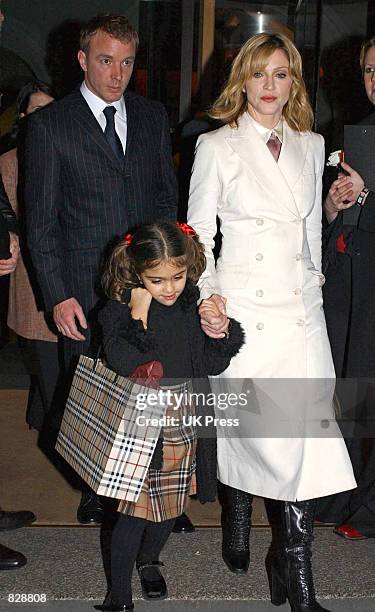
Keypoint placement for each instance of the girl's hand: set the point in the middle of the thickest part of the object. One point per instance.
(139, 304)
(343, 193)
(214, 320)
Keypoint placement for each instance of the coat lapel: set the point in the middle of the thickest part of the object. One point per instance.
(86, 121)
(275, 178)
(132, 123)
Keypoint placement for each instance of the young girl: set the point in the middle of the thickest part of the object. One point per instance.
(152, 315)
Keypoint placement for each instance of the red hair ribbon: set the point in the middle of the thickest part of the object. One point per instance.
(128, 239)
(187, 229)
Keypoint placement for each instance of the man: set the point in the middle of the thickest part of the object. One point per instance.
(98, 162)
(11, 559)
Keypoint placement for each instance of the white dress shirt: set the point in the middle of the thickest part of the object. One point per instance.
(97, 105)
(265, 133)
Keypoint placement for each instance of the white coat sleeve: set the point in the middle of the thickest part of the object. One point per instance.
(204, 198)
(314, 219)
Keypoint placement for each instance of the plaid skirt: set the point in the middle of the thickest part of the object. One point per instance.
(165, 493)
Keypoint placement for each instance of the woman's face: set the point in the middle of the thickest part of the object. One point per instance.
(368, 74)
(36, 101)
(268, 91)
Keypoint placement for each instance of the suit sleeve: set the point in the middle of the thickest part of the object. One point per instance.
(314, 219)
(43, 200)
(204, 198)
(7, 211)
(367, 214)
(167, 193)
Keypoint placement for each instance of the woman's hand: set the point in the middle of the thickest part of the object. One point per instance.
(343, 193)
(214, 320)
(139, 304)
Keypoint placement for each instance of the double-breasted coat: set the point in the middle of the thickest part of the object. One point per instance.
(269, 268)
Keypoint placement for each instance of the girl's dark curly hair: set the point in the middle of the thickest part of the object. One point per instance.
(150, 245)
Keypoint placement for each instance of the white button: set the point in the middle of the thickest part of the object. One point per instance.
(259, 293)
(298, 291)
(259, 221)
(259, 256)
(299, 256)
(260, 325)
(301, 322)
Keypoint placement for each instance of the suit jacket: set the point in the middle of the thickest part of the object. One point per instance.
(269, 270)
(79, 196)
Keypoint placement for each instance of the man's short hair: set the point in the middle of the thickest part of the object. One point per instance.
(117, 26)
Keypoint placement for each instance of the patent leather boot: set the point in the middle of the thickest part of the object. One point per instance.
(236, 523)
(291, 571)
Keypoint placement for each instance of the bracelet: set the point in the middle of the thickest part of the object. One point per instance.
(362, 197)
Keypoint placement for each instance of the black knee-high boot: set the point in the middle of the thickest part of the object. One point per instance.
(154, 539)
(291, 571)
(236, 523)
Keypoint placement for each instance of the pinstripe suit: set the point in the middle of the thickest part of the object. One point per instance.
(79, 196)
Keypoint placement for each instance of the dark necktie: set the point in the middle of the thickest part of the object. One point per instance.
(274, 145)
(111, 134)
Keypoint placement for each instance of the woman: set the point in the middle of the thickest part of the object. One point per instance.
(24, 318)
(261, 175)
(349, 301)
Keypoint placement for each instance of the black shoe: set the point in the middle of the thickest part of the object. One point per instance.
(90, 510)
(183, 525)
(236, 524)
(110, 608)
(10, 559)
(15, 520)
(152, 582)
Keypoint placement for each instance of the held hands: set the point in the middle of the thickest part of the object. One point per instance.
(214, 320)
(343, 193)
(139, 304)
(64, 316)
(7, 266)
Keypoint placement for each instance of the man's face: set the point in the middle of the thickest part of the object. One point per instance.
(108, 66)
(369, 74)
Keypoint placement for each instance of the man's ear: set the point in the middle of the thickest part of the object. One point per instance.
(82, 60)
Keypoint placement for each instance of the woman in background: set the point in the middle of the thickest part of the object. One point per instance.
(24, 318)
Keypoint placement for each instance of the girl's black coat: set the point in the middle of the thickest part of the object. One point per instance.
(127, 345)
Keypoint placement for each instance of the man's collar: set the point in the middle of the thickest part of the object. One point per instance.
(97, 105)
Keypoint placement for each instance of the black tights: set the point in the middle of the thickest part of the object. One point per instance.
(134, 540)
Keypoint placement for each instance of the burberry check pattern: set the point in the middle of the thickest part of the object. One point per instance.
(99, 436)
(165, 493)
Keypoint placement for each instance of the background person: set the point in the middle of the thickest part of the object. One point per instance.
(262, 175)
(24, 314)
(349, 301)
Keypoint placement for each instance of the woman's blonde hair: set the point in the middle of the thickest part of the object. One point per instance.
(253, 57)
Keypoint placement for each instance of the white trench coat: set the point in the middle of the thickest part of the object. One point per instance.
(288, 445)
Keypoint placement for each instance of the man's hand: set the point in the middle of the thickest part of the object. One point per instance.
(214, 320)
(64, 315)
(139, 304)
(7, 266)
(343, 193)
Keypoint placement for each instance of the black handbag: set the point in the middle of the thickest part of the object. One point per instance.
(4, 239)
